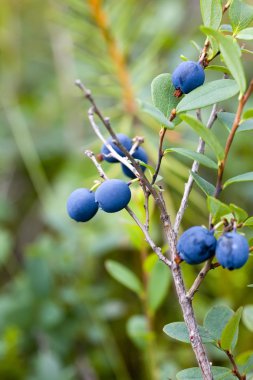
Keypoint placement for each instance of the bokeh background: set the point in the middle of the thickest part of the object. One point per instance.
(62, 317)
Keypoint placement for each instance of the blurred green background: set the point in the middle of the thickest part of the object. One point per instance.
(61, 315)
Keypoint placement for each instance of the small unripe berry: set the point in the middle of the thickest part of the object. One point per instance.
(81, 205)
(113, 195)
(123, 139)
(139, 154)
(232, 250)
(188, 76)
(196, 245)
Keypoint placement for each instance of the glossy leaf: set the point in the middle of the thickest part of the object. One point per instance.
(238, 212)
(162, 92)
(245, 34)
(247, 316)
(246, 177)
(158, 285)
(216, 208)
(248, 114)
(240, 14)
(206, 134)
(219, 373)
(249, 222)
(201, 158)
(203, 184)
(216, 319)
(228, 118)
(231, 54)
(211, 11)
(229, 334)
(208, 94)
(156, 114)
(124, 276)
(222, 69)
(178, 331)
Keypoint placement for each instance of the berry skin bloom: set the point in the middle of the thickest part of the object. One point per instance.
(124, 140)
(81, 205)
(188, 76)
(113, 195)
(139, 154)
(196, 245)
(232, 250)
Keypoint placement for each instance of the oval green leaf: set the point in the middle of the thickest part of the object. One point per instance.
(199, 157)
(246, 177)
(124, 276)
(211, 11)
(245, 34)
(156, 114)
(208, 94)
(178, 331)
(219, 373)
(203, 184)
(216, 319)
(158, 285)
(230, 332)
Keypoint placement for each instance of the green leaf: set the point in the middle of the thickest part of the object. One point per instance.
(229, 334)
(158, 285)
(241, 15)
(249, 222)
(216, 208)
(211, 11)
(206, 134)
(178, 331)
(245, 362)
(222, 69)
(216, 319)
(248, 114)
(137, 330)
(238, 212)
(162, 92)
(246, 177)
(203, 184)
(245, 34)
(199, 157)
(124, 276)
(209, 93)
(156, 114)
(231, 54)
(228, 118)
(247, 316)
(219, 373)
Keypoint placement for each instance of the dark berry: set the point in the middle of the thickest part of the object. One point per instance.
(188, 76)
(113, 195)
(196, 245)
(232, 250)
(81, 205)
(139, 154)
(124, 140)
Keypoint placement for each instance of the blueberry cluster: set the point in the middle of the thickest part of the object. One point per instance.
(139, 154)
(188, 76)
(198, 244)
(111, 196)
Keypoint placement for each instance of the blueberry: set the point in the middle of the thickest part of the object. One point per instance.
(196, 245)
(123, 139)
(113, 195)
(232, 250)
(188, 76)
(139, 154)
(81, 205)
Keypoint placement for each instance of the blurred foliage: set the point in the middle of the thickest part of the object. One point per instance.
(61, 315)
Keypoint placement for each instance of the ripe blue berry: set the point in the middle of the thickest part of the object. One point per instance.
(232, 250)
(113, 195)
(124, 140)
(139, 154)
(196, 245)
(188, 76)
(81, 205)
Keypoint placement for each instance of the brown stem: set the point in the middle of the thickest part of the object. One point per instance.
(115, 53)
(236, 371)
(243, 100)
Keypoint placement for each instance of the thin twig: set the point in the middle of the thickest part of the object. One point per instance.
(243, 100)
(160, 154)
(235, 370)
(202, 274)
(91, 155)
(195, 167)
